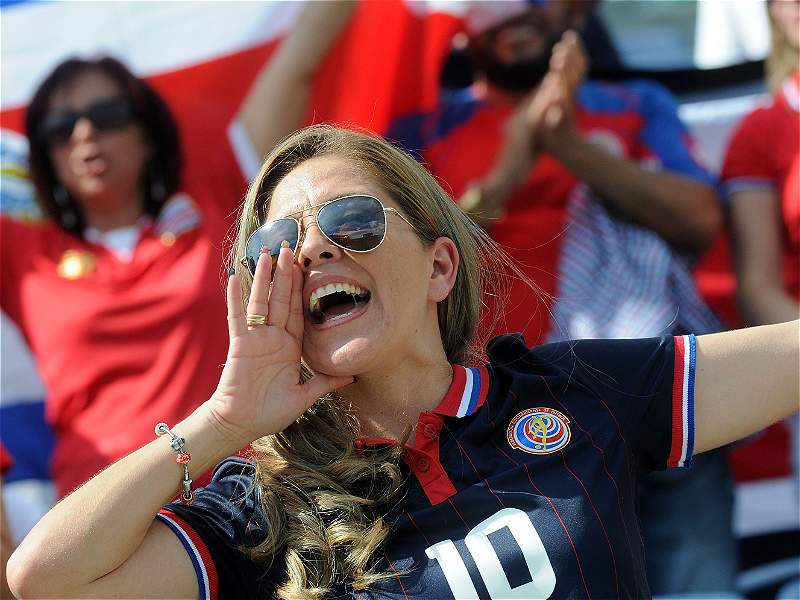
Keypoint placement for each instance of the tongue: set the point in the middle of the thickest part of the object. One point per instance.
(337, 310)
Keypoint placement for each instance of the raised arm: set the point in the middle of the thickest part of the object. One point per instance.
(680, 208)
(278, 99)
(745, 380)
(102, 541)
(676, 201)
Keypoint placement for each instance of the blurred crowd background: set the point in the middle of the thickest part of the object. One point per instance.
(98, 344)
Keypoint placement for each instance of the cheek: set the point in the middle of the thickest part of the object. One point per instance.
(138, 147)
(128, 147)
(406, 296)
(60, 160)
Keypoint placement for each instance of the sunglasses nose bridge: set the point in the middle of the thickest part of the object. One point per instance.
(314, 247)
(82, 128)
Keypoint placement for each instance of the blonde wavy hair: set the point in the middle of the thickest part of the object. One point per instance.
(783, 58)
(324, 499)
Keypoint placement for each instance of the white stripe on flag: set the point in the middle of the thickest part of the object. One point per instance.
(149, 37)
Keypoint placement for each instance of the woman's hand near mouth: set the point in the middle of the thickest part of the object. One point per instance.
(260, 392)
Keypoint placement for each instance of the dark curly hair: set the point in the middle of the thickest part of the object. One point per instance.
(160, 178)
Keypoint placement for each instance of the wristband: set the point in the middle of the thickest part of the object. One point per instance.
(183, 458)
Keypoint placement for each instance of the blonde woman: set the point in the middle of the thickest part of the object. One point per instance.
(761, 175)
(383, 467)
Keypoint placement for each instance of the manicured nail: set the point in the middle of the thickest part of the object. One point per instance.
(264, 249)
(284, 244)
(231, 272)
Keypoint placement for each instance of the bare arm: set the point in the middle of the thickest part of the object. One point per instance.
(101, 541)
(277, 101)
(681, 210)
(745, 380)
(756, 234)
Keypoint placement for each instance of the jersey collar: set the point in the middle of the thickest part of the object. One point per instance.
(467, 393)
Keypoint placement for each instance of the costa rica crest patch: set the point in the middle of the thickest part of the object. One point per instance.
(539, 430)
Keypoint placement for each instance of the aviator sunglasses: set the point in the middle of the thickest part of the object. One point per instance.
(106, 115)
(355, 223)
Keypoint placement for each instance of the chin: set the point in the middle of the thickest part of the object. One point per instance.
(92, 191)
(353, 356)
(352, 348)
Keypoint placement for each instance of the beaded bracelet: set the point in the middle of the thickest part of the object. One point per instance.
(183, 458)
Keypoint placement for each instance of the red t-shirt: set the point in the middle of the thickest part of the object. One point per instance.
(122, 346)
(764, 153)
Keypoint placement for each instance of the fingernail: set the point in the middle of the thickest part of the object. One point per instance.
(231, 272)
(264, 249)
(284, 244)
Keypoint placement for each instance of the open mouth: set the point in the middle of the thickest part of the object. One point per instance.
(90, 163)
(336, 302)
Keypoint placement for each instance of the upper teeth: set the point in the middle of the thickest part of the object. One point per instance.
(332, 288)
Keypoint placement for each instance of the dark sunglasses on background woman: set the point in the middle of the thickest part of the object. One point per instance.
(105, 115)
(354, 223)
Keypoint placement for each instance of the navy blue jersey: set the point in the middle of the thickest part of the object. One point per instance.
(520, 484)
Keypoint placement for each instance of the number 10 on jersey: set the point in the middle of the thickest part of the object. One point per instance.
(543, 578)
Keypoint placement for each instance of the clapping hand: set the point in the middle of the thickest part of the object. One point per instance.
(544, 120)
(549, 113)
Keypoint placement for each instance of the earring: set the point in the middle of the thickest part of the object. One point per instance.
(158, 190)
(66, 212)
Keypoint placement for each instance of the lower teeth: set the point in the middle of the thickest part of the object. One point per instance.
(337, 317)
(342, 315)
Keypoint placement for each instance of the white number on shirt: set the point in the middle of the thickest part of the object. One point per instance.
(543, 578)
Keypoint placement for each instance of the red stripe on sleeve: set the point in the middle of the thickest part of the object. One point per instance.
(676, 448)
(202, 549)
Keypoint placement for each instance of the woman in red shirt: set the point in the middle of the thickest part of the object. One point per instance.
(761, 175)
(119, 294)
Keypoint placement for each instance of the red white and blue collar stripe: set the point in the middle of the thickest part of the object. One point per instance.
(467, 393)
(198, 553)
(682, 446)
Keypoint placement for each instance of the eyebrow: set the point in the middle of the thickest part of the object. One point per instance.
(302, 210)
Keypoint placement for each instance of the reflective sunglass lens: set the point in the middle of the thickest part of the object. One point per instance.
(270, 236)
(354, 223)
